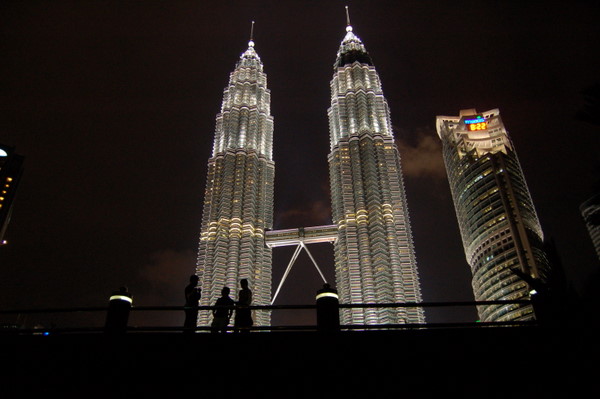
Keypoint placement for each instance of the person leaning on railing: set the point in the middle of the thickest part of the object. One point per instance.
(222, 312)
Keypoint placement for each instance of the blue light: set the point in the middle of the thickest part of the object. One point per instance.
(478, 119)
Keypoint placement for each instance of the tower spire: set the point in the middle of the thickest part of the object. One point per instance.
(251, 42)
(351, 49)
(347, 17)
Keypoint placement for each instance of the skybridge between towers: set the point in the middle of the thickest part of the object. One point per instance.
(300, 237)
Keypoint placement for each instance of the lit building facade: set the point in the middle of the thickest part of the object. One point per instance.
(590, 211)
(498, 222)
(238, 203)
(11, 169)
(374, 254)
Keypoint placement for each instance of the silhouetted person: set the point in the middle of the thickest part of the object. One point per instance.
(221, 316)
(192, 296)
(243, 313)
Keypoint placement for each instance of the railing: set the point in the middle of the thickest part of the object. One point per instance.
(16, 329)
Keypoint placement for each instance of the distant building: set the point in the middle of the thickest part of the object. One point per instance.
(238, 202)
(374, 254)
(590, 210)
(11, 168)
(498, 223)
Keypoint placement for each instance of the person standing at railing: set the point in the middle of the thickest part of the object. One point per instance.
(243, 314)
(192, 296)
(223, 311)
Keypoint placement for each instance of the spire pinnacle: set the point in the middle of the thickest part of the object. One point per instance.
(251, 42)
(351, 49)
(348, 25)
(249, 57)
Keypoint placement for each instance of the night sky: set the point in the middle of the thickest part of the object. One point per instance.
(113, 106)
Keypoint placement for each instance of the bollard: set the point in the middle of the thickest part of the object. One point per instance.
(541, 307)
(118, 311)
(328, 312)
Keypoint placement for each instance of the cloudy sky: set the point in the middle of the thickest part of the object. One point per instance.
(113, 105)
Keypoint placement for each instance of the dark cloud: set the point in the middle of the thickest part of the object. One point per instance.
(422, 158)
(161, 283)
(165, 275)
(313, 213)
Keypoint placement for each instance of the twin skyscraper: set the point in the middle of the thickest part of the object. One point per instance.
(374, 253)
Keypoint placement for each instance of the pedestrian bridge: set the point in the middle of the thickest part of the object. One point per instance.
(306, 235)
(300, 237)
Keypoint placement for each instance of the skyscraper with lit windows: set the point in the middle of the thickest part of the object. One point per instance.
(498, 223)
(590, 211)
(238, 203)
(11, 169)
(374, 256)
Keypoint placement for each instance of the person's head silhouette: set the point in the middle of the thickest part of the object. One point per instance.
(225, 291)
(244, 283)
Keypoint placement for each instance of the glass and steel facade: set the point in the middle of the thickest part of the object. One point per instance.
(590, 211)
(374, 255)
(498, 223)
(238, 203)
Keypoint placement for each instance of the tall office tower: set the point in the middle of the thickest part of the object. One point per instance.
(374, 255)
(498, 223)
(11, 168)
(238, 204)
(590, 211)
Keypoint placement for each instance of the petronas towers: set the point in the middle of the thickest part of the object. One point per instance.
(238, 202)
(374, 256)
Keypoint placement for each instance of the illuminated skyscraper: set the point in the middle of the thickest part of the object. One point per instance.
(11, 168)
(498, 223)
(238, 204)
(374, 255)
(590, 211)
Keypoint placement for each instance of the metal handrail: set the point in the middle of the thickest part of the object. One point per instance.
(276, 307)
(408, 326)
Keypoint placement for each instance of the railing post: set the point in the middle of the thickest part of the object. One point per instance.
(328, 311)
(118, 311)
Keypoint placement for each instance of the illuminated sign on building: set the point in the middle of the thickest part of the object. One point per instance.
(476, 123)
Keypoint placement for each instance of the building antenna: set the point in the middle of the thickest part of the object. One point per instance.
(252, 31)
(347, 17)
